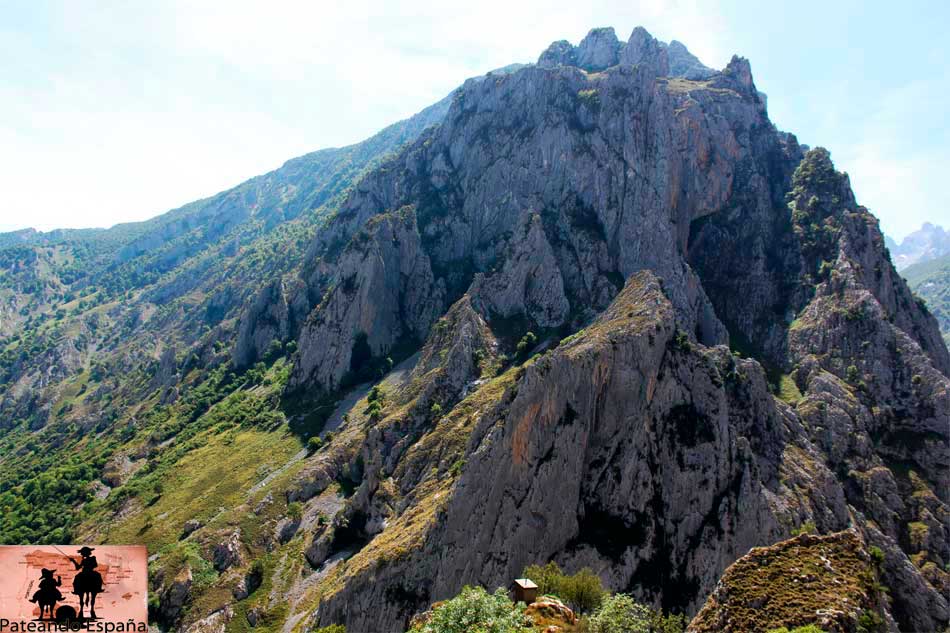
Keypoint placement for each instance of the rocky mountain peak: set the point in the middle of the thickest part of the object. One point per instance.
(740, 69)
(598, 50)
(601, 49)
(643, 48)
(928, 242)
(686, 65)
(559, 53)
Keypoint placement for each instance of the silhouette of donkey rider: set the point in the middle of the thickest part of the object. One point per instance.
(48, 593)
(88, 582)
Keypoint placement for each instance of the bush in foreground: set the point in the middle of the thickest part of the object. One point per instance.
(475, 610)
(582, 591)
(620, 614)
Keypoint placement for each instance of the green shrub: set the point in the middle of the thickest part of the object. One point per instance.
(294, 510)
(852, 374)
(808, 527)
(376, 394)
(681, 341)
(274, 351)
(333, 628)
(589, 96)
(620, 613)
(314, 444)
(877, 555)
(582, 591)
(870, 622)
(476, 610)
(808, 628)
(667, 623)
(527, 342)
(546, 577)
(376, 400)
(375, 411)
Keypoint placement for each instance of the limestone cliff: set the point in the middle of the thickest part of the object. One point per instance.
(641, 446)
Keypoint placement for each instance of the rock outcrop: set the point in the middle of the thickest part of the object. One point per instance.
(627, 449)
(599, 50)
(266, 320)
(686, 65)
(828, 581)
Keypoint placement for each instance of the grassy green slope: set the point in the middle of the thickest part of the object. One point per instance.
(931, 281)
(85, 316)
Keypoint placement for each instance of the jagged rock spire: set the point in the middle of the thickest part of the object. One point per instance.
(601, 49)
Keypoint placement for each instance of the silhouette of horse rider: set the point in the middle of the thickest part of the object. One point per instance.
(88, 582)
(48, 593)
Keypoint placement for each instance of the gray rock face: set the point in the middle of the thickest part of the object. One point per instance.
(867, 359)
(642, 48)
(600, 506)
(529, 282)
(449, 361)
(384, 290)
(166, 372)
(560, 53)
(740, 71)
(267, 319)
(614, 192)
(675, 440)
(684, 64)
(228, 553)
(600, 49)
(619, 192)
(175, 596)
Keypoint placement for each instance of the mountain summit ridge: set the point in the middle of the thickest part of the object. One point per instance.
(598, 313)
(538, 191)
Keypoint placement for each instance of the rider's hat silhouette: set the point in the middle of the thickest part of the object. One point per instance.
(47, 595)
(88, 582)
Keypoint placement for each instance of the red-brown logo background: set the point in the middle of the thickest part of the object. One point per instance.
(124, 580)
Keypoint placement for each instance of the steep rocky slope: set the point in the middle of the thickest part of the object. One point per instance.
(537, 194)
(603, 313)
(100, 327)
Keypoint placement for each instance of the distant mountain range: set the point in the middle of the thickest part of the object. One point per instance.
(923, 259)
(928, 242)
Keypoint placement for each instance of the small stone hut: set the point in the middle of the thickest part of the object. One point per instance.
(524, 590)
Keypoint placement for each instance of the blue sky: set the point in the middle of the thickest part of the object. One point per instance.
(118, 111)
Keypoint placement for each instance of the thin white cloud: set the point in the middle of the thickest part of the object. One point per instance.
(145, 107)
(151, 106)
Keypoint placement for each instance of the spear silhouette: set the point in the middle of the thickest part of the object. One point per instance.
(63, 553)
